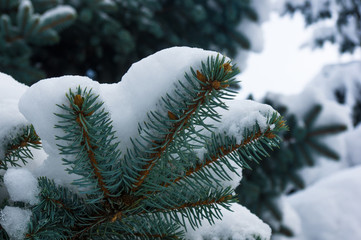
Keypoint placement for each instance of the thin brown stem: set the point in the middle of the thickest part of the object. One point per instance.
(221, 153)
(78, 100)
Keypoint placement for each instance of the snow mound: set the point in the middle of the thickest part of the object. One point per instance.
(240, 224)
(241, 115)
(15, 221)
(11, 118)
(21, 185)
(330, 209)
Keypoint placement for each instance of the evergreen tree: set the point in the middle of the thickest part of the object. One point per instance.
(345, 31)
(262, 189)
(102, 39)
(169, 176)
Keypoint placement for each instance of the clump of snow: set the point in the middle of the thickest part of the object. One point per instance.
(140, 88)
(21, 185)
(11, 118)
(15, 221)
(240, 224)
(330, 209)
(242, 115)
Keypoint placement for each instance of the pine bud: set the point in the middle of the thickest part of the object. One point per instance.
(172, 116)
(78, 100)
(227, 67)
(216, 85)
(201, 77)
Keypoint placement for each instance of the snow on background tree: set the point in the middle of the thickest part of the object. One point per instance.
(327, 207)
(311, 136)
(335, 21)
(103, 38)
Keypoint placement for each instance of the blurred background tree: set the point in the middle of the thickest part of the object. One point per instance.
(343, 27)
(103, 38)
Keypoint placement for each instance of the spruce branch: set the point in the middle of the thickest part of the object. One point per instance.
(161, 183)
(93, 137)
(19, 148)
(220, 151)
(209, 86)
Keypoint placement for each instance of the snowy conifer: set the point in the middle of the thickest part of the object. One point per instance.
(152, 156)
(344, 30)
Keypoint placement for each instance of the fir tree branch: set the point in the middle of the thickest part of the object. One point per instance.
(208, 86)
(57, 22)
(81, 119)
(19, 147)
(224, 151)
(199, 203)
(88, 130)
(333, 129)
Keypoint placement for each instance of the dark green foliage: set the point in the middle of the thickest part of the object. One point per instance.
(346, 12)
(341, 94)
(356, 109)
(25, 25)
(108, 36)
(261, 189)
(134, 195)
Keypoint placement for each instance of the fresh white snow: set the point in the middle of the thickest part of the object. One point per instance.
(15, 220)
(11, 119)
(240, 224)
(21, 185)
(330, 209)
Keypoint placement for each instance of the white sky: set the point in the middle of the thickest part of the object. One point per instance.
(283, 67)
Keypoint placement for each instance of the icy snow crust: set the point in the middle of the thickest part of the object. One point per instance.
(128, 102)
